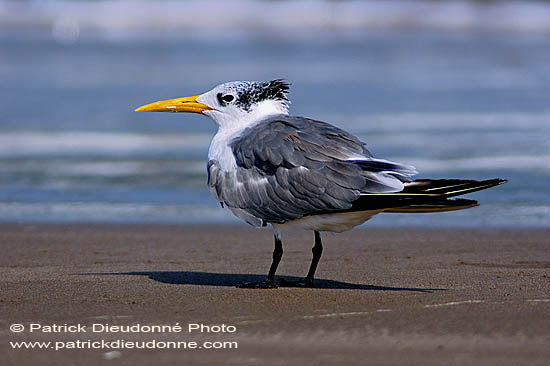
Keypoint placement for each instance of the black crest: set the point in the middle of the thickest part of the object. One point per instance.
(250, 93)
(274, 89)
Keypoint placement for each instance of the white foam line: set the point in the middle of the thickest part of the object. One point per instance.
(453, 303)
(509, 162)
(421, 122)
(108, 211)
(359, 313)
(353, 313)
(244, 322)
(63, 142)
(126, 15)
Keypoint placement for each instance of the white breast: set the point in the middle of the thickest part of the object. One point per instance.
(222, 152)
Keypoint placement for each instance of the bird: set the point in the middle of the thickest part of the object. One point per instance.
(272, 168)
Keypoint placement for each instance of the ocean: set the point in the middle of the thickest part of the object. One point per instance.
(443, 87)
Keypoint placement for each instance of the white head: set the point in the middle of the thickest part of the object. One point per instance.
(231, 105)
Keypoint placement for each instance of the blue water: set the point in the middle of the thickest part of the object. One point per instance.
(462, 103)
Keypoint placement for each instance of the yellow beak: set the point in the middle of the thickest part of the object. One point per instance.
(185, 104)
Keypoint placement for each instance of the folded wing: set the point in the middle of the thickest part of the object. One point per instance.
(291, 167)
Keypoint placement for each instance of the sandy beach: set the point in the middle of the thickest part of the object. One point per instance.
(384, 296)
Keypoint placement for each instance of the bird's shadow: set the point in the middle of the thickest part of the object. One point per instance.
(233, 280)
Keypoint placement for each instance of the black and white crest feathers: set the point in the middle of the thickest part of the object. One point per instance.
(249, 93)
(275, 89)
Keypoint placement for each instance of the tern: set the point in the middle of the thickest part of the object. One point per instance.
(269, 167)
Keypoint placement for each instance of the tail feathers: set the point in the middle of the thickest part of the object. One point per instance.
(438, 206)
(449, 187)
(425, 195)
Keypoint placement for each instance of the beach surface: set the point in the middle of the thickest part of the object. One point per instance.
(384, 296)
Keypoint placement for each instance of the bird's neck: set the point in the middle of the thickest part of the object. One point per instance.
(268, 108)
(234, 121)
(230, 126)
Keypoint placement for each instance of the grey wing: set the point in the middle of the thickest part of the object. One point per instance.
(290, 167)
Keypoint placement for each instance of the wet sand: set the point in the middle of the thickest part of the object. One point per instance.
(385, 297)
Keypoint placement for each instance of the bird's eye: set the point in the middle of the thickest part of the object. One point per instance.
(225, 98)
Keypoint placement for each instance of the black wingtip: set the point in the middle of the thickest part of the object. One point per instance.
(495, 181)
(484, 184)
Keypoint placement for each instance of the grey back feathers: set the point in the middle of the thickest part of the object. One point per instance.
(290, 167)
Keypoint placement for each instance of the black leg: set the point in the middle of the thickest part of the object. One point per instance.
(317, 250)
(277, 255)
